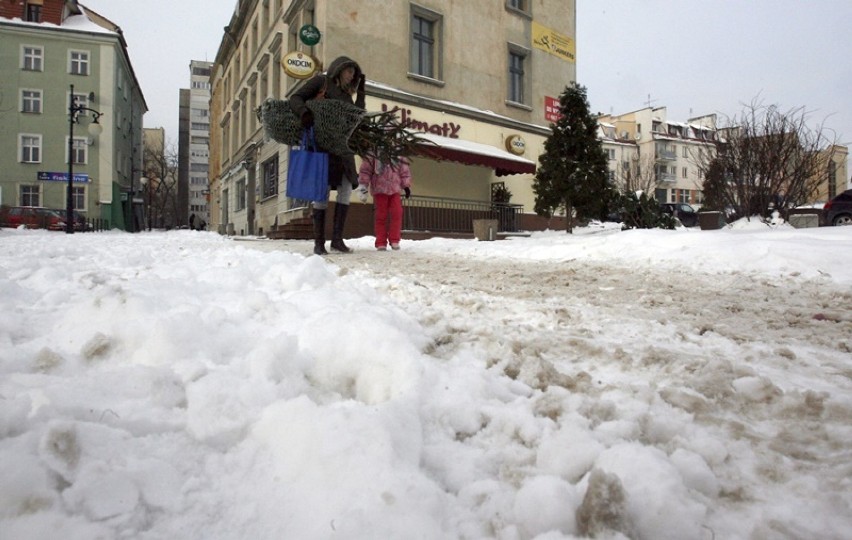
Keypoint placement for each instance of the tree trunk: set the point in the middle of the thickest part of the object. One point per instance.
(569, 217)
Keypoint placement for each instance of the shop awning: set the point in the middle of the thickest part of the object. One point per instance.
(472, 153)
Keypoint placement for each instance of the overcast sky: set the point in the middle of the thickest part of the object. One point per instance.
(694, 57)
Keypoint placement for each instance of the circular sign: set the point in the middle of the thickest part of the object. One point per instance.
(310, 35)
(299, 65)
(516, 145)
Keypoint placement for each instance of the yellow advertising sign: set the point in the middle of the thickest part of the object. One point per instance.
(556, 44)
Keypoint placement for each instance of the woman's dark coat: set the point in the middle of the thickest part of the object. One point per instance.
(339, 167)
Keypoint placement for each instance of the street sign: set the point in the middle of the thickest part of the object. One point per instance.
(80, 178)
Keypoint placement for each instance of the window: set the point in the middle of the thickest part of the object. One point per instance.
(198, 126)
(30, 148)
(516, 75)
(683, 172)
(79, 151)
(522, 6)
(34, 12)
(270, 177)
(241, 194)
(684, 151)
(610, 153)
(30, 195)
(832, 179)
(32, 59)
(78, 62)
(78, 196)
(81, 100)
(425, 43)
(31, 101)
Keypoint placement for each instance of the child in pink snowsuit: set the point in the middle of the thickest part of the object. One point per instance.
(385, 181)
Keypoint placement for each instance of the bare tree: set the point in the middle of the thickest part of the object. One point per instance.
(637, 175)
(161, 168)
(766, 159)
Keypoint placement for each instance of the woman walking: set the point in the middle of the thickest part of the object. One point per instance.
(343, 80)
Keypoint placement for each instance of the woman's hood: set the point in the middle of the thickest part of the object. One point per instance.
(339, 64)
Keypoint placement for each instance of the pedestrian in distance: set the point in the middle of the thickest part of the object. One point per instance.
(385, 180)
(343, 81)
(192, 219)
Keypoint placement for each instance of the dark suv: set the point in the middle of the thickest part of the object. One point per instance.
(838, 211)
(684, 212)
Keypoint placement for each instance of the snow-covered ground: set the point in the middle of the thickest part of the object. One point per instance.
(643, 384)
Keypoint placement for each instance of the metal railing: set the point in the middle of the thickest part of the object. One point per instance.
(441, 214)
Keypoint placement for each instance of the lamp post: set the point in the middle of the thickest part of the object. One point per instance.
(95, 129)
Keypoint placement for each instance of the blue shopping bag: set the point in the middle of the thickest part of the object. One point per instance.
(307, 171)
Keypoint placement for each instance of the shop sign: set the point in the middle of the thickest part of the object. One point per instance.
(447, 129)
(552, 109)
(557, 44)
(62, 177)
(299, 65)
(310, 35)
(516, 145)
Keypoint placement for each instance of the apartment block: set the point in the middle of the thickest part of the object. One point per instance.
(648, 152)
(194, 144)
(54, 53)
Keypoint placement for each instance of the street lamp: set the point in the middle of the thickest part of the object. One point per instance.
(95, 129)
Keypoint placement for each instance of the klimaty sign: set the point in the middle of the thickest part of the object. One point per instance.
(556, 44)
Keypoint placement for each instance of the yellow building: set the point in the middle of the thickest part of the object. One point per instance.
(479, 77)
(833, 173)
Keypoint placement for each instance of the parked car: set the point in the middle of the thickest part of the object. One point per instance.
(80, 223)
(684, 212)
(838, 211)
(31, 217)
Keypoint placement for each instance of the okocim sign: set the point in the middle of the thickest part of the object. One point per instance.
(299, 65)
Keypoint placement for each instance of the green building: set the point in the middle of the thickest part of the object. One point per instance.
(46, 49)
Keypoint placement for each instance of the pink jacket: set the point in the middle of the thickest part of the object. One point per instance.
(384, 179)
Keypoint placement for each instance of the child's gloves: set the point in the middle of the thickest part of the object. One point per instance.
(362, 193)
(407, 193)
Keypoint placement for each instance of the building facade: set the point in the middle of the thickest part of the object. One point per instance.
(833, 173)
(194, 144)
(479, 78)
(648, 152)
(47, 48)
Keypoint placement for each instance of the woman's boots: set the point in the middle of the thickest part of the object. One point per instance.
(337, 244)
(340, 211)
(319, 232)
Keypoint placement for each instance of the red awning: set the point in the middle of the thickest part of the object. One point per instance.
(472, 153)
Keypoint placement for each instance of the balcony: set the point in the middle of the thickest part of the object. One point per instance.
(666, 155)
(665, 178)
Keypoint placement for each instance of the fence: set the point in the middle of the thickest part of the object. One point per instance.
(441, 214)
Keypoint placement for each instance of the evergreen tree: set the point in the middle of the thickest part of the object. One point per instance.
(572, 175)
